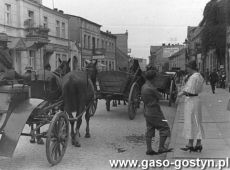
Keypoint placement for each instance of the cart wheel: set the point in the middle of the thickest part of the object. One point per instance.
(57, 138)
(133, 101)
(171, 93)
(108, 105)
(93, 107)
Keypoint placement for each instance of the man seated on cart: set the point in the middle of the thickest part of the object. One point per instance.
(153, 115)
(52, 81)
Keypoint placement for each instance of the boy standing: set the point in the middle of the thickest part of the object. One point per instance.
(153, 115)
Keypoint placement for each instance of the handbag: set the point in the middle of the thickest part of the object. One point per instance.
(228, 106)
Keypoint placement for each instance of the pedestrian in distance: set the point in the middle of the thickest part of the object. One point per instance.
(153, 115)
(213, 80)
(193, 129)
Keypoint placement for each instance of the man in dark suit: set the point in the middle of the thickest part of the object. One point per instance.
(213, 80)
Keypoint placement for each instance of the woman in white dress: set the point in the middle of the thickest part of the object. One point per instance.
(193, 129)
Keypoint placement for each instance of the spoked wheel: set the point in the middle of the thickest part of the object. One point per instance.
(93, 107)
(57, 138)
(133, 101)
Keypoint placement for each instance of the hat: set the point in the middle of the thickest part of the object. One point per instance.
(192, 65)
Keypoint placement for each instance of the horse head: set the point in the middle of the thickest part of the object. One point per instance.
(63, 68)
(91, 68)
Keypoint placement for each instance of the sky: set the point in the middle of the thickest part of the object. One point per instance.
(149, 22)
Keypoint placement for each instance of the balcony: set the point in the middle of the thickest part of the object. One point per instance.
(37, 33)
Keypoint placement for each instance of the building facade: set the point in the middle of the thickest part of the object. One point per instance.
(178, 60)
(142, 62)
(106, 54)
(152, 57)
(122, 51)
(37, 35)
(86, 34)
(161, 61)
(194, 49)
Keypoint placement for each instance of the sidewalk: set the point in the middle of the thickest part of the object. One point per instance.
(216, 122)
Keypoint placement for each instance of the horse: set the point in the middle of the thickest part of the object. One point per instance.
(78, 91)
(53, 89)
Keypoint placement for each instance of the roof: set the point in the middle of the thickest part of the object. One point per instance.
(154, 49)
(84, 19)
(108, 34)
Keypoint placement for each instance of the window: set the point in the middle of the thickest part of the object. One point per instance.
(45, 24)
(8, 14)
(63, 30)
(58, 28)
(97, 43)
(57, 60)
(85, 39)
(88, 42)
(102, 43)
(32, 59)
(31, 18)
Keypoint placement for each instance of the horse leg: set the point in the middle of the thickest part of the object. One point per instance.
(39, 139)
(87, 118)
(72, 122)
(77, 134)
(32, 140)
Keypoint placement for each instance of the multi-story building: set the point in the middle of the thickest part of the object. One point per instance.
(87, 34)
(163, 54)
(142, 62)
(106, 55)
(122, 51)
(178, 60)
(194, 50)
(152, 57)
(38, 35)
(122, 42)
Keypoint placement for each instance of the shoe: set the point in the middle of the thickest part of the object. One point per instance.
(198, 148)
(151, 152)
(164, 150)
(188, 148)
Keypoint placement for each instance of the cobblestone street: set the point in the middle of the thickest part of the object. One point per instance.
(113, 136)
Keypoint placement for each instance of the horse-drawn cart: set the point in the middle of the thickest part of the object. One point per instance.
(165, 83)
(117, 85)
(17, 109)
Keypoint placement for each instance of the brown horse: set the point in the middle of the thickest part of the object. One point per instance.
(78, 89)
